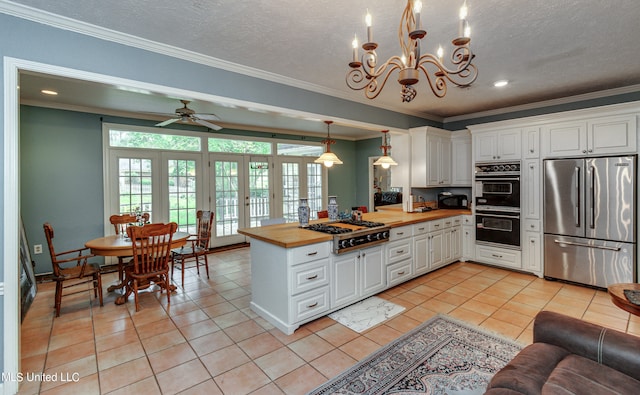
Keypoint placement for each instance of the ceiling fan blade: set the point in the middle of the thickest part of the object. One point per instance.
(167, 122)
(207, 124)
(207, 117)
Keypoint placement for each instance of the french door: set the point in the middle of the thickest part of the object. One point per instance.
(242, 194)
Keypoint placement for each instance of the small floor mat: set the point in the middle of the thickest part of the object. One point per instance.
(366, 313)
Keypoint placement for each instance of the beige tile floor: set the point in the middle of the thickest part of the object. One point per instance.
(208, 340)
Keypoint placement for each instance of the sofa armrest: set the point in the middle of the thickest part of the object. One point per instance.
(609, 347)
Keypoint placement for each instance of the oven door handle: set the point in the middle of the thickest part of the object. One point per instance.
(498, 215)
(481, 178)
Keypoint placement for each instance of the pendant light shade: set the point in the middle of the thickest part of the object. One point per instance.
(385, 160)
(328, 159)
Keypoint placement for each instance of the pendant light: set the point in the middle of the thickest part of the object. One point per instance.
(328, 159)
(385, 160)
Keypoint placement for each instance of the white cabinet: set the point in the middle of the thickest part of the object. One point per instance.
(400, 255)
(532, 253)
(430, 157)
(531, 189)
(420, 248)
(461, 166)
(468, 238)
(499, 256)
(531, 142)
(356, 275)
(497, 145)
(597, 136)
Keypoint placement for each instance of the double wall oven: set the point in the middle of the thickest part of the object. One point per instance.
(497, 197)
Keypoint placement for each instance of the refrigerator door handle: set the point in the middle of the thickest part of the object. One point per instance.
(592, 190)
(576, 209)
(572, 243)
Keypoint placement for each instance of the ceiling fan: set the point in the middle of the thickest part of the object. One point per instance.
(185, 114)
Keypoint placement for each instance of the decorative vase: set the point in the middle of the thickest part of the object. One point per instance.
(332, 208)
(303, 213)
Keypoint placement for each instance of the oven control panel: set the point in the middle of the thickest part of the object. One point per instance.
(504, 168)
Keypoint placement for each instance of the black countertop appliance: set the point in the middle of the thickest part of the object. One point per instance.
(448, 200)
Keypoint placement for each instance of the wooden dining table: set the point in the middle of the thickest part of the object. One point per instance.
(117, 245)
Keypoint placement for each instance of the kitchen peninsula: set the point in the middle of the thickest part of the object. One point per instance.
(298, 275)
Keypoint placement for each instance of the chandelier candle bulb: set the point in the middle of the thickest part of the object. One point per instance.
(355, 48)
(417, 7)
(463, 20)
(368, 22)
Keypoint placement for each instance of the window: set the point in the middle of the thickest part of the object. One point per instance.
(146, 140)
(219, 144)
(135, 182)
(182, 193)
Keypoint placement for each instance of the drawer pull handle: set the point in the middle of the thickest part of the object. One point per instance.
(400, 252)
(496, 256)
(420, 228)
(400, 273)
(400, 233)
(312, 253)
(312, 277)
(312, 305)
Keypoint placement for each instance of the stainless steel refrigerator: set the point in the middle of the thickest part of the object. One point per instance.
(590, 220)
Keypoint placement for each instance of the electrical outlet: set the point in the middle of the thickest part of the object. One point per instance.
(37, 249)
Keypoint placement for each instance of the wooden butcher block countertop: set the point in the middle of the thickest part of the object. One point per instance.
(290, 235)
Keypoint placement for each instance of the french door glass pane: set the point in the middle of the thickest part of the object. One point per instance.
(135, 185)
(259, 192)
(182, 194)
(227, 198)
(290, 191)
(314, 188)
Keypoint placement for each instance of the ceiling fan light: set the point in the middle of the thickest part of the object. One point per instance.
(385, 161)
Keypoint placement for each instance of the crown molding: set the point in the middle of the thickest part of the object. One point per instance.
(547, 103)
(73, 25)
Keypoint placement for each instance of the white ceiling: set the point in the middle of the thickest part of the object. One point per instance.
(547, 49)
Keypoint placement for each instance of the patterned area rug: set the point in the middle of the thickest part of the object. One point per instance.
(441, 356)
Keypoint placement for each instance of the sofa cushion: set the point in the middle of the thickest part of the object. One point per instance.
(575, 374)
(527, 372)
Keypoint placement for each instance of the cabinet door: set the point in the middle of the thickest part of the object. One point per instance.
(436, 245)
(461, 162)
(433, 160)
(420, 254)
(468, 243)
(456, 243)
(345, 279)
(445, 161)
(532, 189)
(564, 139)
(373, 272)
(485, 145)
(531, 142)
(533, 252)
(612, 135)
(509, 144)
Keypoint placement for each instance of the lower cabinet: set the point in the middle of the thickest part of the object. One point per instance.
(356, 275)
(532, 253)
(499, 256)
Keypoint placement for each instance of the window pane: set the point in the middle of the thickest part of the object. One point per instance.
(314, 188)
(226, 198)
(130, 139)
(290, 191)
(299, 149)
(217, 144)
(182, 194)
(259, 192)
(135, 185)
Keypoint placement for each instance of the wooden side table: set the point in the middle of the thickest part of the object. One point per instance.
(616, 291)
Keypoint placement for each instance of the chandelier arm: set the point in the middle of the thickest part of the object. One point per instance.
(362, 78)
(437, 84)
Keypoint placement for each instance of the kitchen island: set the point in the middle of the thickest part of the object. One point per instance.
(298, 277)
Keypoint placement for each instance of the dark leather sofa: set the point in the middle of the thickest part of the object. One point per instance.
(571, 356)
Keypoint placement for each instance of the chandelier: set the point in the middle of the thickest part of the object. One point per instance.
(328, 158)
(365, 74)
(385, 160)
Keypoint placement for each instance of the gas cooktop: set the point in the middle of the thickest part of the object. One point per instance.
(331, 229)
(349, 235)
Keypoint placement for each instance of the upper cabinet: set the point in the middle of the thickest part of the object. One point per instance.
(497, 145)
(461, 165)
(598, 136)
(430, 157)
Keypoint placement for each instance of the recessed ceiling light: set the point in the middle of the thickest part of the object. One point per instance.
(49, 92)
(501, 83)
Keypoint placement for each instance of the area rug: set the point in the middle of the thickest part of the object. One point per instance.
(441, 356)
(366, 313)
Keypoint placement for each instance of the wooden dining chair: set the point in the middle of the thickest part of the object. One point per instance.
(151, 253)
(120, 223)
(197, 246)
(72, 267)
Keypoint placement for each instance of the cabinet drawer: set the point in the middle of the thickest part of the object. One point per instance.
(309, 276)
(499, 256)
(398, 250)
(468, 220)
(399, 272)
(309, 253)
(420, 228)
(448, 222)
(532, 225)
(435, 225)
(310, 304)
(400, 232)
